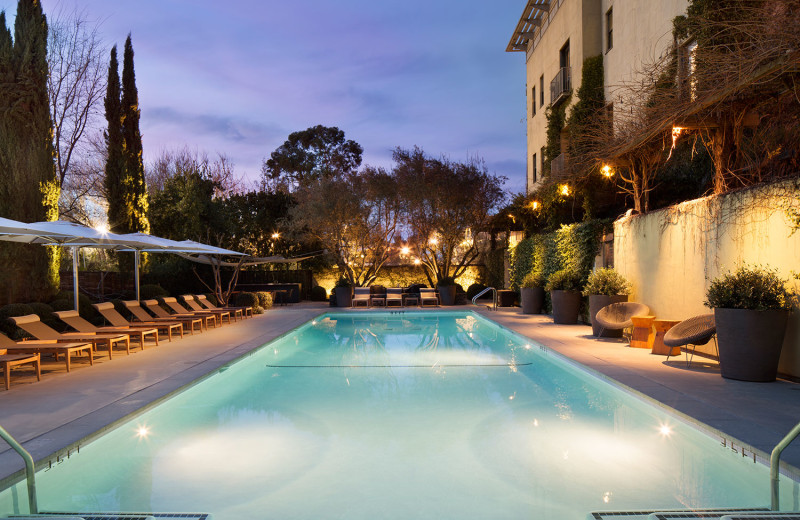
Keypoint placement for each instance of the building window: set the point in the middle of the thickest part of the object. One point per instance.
(533, 101)
(541, 91)
(533, 176)
(609, 29)
(541, 155)
(563, 56)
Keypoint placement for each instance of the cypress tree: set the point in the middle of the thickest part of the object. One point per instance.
(134, 184)
(115, 162)
(30, 187)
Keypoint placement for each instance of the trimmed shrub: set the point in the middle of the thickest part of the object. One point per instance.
(152, 291)
(15, 309)
(318, 294)
(606, 281)
(533, 279)
(474, 289)
(61, 305)
(248, 299)
(755, 288)
(45, 313)
(264, 299)
(564, 280)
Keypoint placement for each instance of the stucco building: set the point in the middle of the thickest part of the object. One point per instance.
(557, 35)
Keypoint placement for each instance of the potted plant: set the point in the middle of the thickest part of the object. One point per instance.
(751, 308)
(565, 293)
(447, 290)
(604, 287)
(532, 293)
(344, 292)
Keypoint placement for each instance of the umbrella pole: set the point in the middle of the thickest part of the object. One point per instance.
(136, 273)
(75, 276)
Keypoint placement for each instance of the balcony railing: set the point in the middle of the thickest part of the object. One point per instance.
(561, 86)
(558, 168)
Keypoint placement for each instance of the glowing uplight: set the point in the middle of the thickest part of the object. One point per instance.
(676, 133)
(276, 235)
(101, 228)
(535, 204)
(564, 189)
(665, 430)
(606, 171)
(527, 346)
(433, 241)
(405, 250)
(417, 261)
(142, 431)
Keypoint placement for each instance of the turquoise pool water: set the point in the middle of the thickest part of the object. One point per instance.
(415, 415)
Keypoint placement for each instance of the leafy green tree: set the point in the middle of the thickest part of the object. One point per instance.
(134, 181)
(311, 154)
(115, 162)
(446, 205)
(29, 188)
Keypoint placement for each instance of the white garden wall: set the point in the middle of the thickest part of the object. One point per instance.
(671, 255)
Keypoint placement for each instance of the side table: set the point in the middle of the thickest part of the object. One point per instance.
(642, 335)
(662, 326)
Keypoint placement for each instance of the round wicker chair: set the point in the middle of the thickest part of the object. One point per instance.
(618, 315)
(694, 331)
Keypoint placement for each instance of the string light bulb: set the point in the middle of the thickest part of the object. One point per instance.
(606, 171)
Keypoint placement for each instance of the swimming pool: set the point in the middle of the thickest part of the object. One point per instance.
(407, 415)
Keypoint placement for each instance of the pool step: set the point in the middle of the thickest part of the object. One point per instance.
(692, 514)
(108, 515)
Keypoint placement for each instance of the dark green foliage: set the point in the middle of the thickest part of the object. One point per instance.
(687, 175)
(185, 206)
(606, 281)
(248, 299)
(314, 153)
(152, 291)
(521, 261)
(585, 111)
(475, 289)
(115, 145)
(134, 182)
(264, 299)
(343, 282)
(556, 118)
(7, 326)
(754, 288)
(120, 308)
(61, 304)
(532, 280)
(495, 271)
(45, 313)
(318, 294)
(564, 280)
(29, 188)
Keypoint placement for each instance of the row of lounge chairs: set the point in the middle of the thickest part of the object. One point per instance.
(87, 338)
(394, 296)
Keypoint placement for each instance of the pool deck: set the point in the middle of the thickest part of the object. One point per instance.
(53, 417)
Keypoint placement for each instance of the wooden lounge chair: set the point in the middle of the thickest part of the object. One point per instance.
(221, 314)
(428, 295)
(241, 311)
(160, 313)
(140, 314)
(180, 310)
(33, 326)
(111, 315)
(74, 320)
(694, 331)
(9, 361)
(361, 295)
(394, 295)
(46, 347)
(618, 315)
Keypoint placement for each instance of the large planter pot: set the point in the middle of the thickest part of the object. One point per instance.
(344, 296)
(750, 343)
(447, 294)
(566, 306)
(597, 302)
(532, 300)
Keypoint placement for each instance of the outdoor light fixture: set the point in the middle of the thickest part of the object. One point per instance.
(405, 250)
(102, 228)
(564, 189)
(535, 205)
(276, 236)
(606, 170)
(433, 241)
(416, 261)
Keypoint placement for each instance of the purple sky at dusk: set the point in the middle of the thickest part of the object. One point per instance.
(237, 76)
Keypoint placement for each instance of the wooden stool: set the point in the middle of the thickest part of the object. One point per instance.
(642, 335)
(662, 326)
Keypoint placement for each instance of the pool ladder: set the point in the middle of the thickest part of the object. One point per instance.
(30, 477)
(493, 306)
(775, 462)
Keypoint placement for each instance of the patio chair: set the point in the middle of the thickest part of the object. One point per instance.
(140, 314)
(9, 361)
(180, 310)
(394, 295)
(46, 347)
(34, 326)
(160, 314)
(428, 295)
(361, 295)
(694, 331)
(618, 315)
(221, 314)
(244, 311)
(111, 315)
(74, 320)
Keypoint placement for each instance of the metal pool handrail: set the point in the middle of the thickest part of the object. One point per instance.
(494, 298)
(774, 464)
(30, 478)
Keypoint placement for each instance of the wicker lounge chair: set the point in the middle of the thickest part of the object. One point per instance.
(428, 295)
(361, 295)
(9, 361)
(33, 326)
(180, 310)
(46, 347)
(694, 331)
(221, 314)
(244, 311)
(74, 320)
(618, 315)
(111, 315)
(140, 314)
(394, 295)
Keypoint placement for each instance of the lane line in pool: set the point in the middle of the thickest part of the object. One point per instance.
(505, 365)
